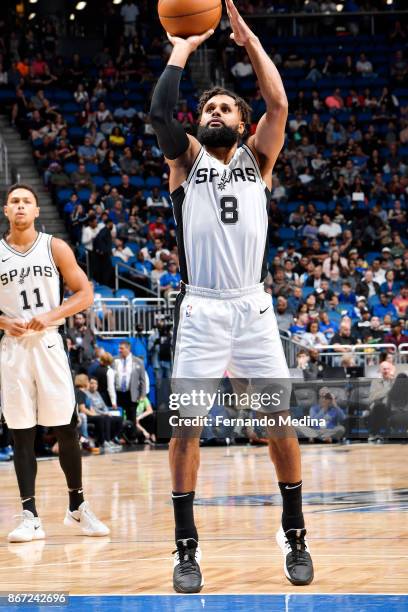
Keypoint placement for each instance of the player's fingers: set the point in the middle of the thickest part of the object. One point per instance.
(232, 36)
(207, 34)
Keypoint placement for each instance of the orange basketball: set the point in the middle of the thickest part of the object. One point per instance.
(187, 17)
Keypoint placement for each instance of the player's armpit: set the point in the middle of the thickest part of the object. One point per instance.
(74, 277)
(180, 167)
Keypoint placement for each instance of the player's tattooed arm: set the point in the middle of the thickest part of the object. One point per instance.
(269, 137)
(76, 280)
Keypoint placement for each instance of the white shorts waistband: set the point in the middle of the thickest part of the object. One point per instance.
(222, 294)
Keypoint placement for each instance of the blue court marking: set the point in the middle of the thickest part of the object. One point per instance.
(224, 603)
(386, 500)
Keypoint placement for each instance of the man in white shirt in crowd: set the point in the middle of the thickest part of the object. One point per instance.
(242, 69)
(329, 229)
(130, 380)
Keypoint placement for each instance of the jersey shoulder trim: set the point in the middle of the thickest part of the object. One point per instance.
(194, 167)
(253, 159)
(30, 250)
(49, 249)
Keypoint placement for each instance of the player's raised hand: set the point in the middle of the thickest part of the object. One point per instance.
(241, 32)
(192, 42)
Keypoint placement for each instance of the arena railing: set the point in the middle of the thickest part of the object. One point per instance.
(111, 317)
(299, 24)
(365, 354)
(128, 281)
(146, 312)
(403, 352)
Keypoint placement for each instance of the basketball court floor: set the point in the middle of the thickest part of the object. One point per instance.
(356, 504)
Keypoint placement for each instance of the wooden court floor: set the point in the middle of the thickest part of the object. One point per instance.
(356, 508)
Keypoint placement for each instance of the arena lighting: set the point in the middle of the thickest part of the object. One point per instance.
(80, 6)
(117, 1)
(31, 16)
(72, 17)
(390, 2)
(339, 7)
(33, 1)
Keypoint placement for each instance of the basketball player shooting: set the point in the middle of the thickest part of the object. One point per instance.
(36, 381)
(224, 318)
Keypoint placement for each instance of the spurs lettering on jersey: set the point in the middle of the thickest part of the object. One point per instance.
(30, 282)
(221, 212)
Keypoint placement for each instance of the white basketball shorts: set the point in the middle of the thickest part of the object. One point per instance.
(36, 381)
(231, 330)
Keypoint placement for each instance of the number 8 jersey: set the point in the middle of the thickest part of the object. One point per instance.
(30, 283)
(221, 214)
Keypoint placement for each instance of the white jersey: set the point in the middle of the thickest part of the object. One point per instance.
(30, 283)
(221, 212)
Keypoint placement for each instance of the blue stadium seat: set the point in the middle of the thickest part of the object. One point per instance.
(137, 181)
(91, 168)
(70, 167)
(64, 194)
(153, 181)
(103, 290)
(115, 181)
(307, 291)
(286, 233)
(84, 195)
(126, 293)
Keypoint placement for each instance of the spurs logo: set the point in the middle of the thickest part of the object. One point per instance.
(23, 274)
(226, 178)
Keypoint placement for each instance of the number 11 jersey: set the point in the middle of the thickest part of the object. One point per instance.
(221, 215)
(30, 283)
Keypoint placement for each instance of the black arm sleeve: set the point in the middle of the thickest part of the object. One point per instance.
(172, 138)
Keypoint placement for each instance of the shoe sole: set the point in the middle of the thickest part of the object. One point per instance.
(70, 523)
(285, 569)
(180, 590)
(38, 535)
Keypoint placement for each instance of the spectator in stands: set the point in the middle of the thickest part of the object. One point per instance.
(385, 307)
(130, 380)
(155, 200)
(100, 421)
(364, 67)
(295, 300)
(83, 342)
(122, 251)
(333, 416)
(146, 421)
(299, 327)
(89, 233)
(335, 266)
(81, 179)
(343, 338)
(378, 410)
(328, 229)
(105, 376)
(401, 301)
(367, 286)
(313, 337)
(170, 281)
(327, 327)
(389, 285)
(335, 101)
(284, 317)
(87, 151)
(102, 253)
(112, 423)
(128, 164)
(396, 336)
(347, 295)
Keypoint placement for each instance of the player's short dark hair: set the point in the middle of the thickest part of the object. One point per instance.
(22, 186)
(243, 107)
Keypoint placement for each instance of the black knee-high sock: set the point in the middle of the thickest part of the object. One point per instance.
(25, 465)
(184, 515)
(71, 463)
(292, 515)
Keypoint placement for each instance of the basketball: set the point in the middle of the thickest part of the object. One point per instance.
(188, 17)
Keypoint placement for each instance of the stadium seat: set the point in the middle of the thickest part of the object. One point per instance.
(127, 293)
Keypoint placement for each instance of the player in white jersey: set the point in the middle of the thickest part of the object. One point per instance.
(224, 318)
(36, 381)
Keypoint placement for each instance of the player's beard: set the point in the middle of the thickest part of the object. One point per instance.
(222, 137)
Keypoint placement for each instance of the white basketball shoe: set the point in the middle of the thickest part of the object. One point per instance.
(29, 529)
(85, 520)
